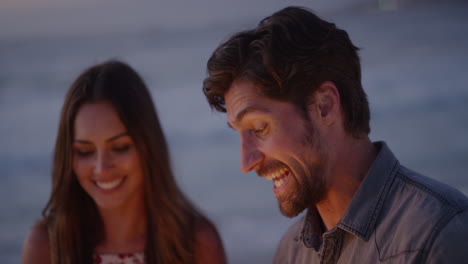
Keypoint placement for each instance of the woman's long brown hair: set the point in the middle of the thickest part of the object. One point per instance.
(71, 216)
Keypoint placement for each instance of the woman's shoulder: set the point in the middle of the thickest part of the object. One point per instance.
(208, 245)
(36, 245)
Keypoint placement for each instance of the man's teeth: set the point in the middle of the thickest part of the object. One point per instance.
(276, 175)
(278, 183)
(109, 185)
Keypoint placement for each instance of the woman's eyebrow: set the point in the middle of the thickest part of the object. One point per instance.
(107, 140)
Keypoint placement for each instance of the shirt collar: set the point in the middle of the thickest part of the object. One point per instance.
(312, 229)
(361, 215)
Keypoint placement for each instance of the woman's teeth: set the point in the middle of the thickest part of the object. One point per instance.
(107, 185)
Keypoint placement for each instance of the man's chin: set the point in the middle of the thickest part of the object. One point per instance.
(290, 210)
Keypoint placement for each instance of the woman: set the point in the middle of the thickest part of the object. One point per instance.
(114, 196)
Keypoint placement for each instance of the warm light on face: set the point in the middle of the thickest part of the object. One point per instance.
(105, 158)
(277, 142)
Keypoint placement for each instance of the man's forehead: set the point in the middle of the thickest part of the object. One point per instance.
(241, 92)
(242, 98)
(237, 118)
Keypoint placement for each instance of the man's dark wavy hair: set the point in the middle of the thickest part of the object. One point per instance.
(288, 56)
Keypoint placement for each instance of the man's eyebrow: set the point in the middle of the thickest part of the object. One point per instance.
(247, 110)
(107, 140)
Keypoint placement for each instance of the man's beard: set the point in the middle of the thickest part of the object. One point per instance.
(308, 192)
(310, 187)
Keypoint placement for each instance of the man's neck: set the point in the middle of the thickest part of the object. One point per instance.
(351, 164)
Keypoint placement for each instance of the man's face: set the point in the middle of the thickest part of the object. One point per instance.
(279, 143)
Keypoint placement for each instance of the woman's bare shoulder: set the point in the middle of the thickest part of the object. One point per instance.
(208, 245)
(36, 246)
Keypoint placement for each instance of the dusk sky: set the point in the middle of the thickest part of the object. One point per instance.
(37, 17)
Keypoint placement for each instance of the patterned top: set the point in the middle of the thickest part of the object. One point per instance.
(129, 258)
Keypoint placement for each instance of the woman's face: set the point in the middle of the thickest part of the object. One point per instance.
(105, 159)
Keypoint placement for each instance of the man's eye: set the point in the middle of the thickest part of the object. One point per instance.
(261, 131)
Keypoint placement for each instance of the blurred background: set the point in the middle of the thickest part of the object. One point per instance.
(414, 62)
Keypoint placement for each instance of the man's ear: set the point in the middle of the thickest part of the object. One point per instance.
(327, 100)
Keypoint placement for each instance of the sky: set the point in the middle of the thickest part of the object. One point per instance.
(43, 17)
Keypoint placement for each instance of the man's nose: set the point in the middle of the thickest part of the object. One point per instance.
(251, 156)
(104, 163)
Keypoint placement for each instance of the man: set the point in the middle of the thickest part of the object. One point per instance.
(292, 89)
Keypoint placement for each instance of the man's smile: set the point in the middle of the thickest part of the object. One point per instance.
(279, 177)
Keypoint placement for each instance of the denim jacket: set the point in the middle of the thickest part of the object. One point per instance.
(396, 216)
